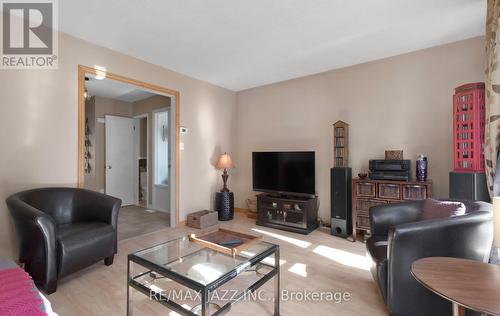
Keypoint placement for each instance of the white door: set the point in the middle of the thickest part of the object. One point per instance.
(119, 139)
(161, 161)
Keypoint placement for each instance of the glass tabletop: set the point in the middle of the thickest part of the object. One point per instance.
(200, 264)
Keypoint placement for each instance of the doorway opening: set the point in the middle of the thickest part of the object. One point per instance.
(161, 159)
(130, 150)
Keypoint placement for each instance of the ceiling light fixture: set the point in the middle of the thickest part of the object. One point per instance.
(100, 72)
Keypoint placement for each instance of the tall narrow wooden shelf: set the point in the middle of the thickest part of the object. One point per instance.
(340, 144)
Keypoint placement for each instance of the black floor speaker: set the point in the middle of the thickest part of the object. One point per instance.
(341, 200)
(469, 186)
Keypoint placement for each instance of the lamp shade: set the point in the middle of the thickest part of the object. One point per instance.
(224, 162)
(496, 220)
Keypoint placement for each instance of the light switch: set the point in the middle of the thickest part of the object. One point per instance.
(182, 146)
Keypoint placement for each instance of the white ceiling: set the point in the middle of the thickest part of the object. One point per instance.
(116, 90)
(239, 44)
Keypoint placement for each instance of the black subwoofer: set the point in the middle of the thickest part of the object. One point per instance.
(341, 200)
(469, 186)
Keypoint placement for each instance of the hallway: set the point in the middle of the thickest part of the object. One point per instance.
(135, 221)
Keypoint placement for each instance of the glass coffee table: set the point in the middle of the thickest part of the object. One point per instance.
(178, 270)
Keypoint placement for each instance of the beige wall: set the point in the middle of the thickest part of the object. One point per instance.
(143, 137)
(403, 102)
(39, 126)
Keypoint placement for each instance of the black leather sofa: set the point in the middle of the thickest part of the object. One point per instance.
(62, 230)
(400, 237)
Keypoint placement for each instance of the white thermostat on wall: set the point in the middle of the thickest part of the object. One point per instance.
(184, 130)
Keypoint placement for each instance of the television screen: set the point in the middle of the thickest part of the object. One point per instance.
(288, 172)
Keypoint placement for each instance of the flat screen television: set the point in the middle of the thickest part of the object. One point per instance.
(284, 173)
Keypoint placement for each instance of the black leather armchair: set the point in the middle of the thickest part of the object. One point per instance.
(400, 236)
(62, 230)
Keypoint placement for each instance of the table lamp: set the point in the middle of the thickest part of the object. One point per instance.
(495, 250)
(224, 163)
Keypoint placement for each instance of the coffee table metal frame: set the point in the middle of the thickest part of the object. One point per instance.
(205, 290)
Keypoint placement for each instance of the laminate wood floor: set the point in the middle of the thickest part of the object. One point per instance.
(135, 221)
(317, 262)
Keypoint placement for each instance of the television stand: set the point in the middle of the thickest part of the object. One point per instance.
(288, 197)
(295, 214)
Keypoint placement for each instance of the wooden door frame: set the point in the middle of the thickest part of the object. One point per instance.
(82, 71)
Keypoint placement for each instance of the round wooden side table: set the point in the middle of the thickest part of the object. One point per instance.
(466, 283)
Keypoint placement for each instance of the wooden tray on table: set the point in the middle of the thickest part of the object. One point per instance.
(226, 241)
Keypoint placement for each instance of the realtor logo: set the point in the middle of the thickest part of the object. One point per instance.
(29, 37)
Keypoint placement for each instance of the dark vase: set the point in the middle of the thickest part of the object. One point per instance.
(421, 171)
